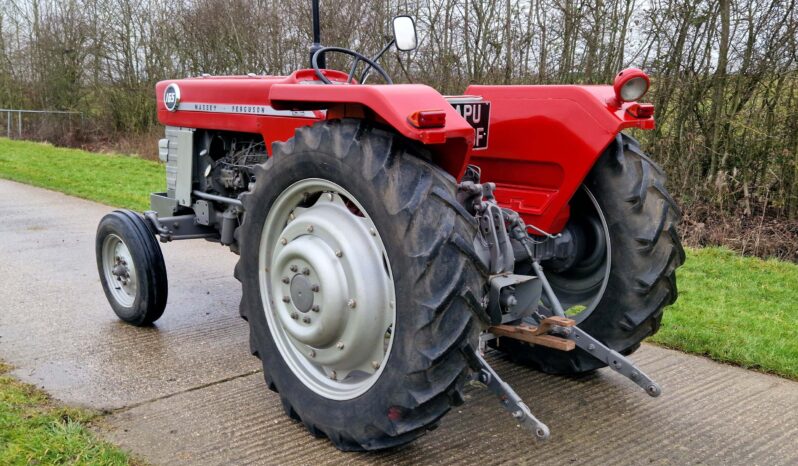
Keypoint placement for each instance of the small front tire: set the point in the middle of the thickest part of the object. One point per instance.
(131, 268)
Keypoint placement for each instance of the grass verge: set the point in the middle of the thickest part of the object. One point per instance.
(739, 310)
(118, 180)
(33, 430)
(733, 309)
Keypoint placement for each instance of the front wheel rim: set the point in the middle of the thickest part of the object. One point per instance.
(119, 271)
(327, 288)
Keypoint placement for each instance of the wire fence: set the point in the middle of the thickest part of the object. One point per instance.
(41, 124)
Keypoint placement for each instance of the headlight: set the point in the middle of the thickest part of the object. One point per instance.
(630, 84)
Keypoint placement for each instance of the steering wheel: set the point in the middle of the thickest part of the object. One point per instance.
(358, 58)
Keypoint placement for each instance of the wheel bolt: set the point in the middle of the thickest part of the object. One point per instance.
(315, 308)
(283, 241)
(311, 354)
(375, 365)
(306, 320)
(293, 268)
(291, 216)
(294, 315)
(352, 303)
(310, 228)
(286, 299)
(340, 345)
(286, 280)
(373, 232)
(338, 253)
(314, 288)
(330, 196)
(305, 271)
(333, 375)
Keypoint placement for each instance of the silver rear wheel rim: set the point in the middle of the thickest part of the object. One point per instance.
(119, 271)
(589, 304)
(327, 288)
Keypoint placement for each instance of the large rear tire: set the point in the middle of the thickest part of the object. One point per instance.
(623, 304)
(389, 222)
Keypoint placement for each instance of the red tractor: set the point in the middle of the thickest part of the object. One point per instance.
(388, 234)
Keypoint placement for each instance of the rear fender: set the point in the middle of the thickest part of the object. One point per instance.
(543, 142)
(392, 105)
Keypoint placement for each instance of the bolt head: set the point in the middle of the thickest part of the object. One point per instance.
(286, 299)
(311, 354)
(294, 315)
(352, 303)
(340, 345)
(286, 280)
(305, 271)
(375, 365)
(333, 375)
(314, 288)
(310, 228)
(291, 216)
(283, 241)
(315, 308)
(373, 232)
(306, 320)
(338, 253)
(293, 268)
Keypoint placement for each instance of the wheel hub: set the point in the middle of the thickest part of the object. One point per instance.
(302, 293)
(331, 303)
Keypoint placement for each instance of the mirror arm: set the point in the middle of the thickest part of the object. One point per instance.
(365, 73)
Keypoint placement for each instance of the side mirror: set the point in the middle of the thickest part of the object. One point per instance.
(404, 33)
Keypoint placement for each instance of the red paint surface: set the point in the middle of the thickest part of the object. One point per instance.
(543, 140)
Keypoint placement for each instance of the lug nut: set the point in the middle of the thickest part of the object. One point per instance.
(311, 354)
(291, 216)
(315, 308)
(373, 232)
(286, 280)
(310, 228)
(286, 299)
(330, 196)
(314, 288)
(283, 241)
(333, 375)
(340, 345)
(305, 271)
(375, 365)
(338, 253)
(294, 315)
(293, 268)
(306, 320)
(352, 303)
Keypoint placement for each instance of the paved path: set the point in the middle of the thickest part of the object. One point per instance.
(188, 392)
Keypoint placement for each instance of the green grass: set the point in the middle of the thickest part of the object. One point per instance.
(733, 309)
(33, 430)
(740, 310)
(118, 180)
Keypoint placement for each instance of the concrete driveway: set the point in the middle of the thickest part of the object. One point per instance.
(188, 392)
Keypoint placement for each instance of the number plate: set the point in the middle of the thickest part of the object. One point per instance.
(477, 114)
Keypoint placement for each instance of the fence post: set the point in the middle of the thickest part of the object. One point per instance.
(8, 124)
(19, 122)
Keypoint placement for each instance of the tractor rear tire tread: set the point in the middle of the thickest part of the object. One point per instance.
(437, 275)
(646, 251)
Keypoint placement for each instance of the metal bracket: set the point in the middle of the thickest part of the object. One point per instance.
(618, 362)
(507, 396)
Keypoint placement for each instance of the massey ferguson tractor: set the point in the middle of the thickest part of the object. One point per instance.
(389, 235)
